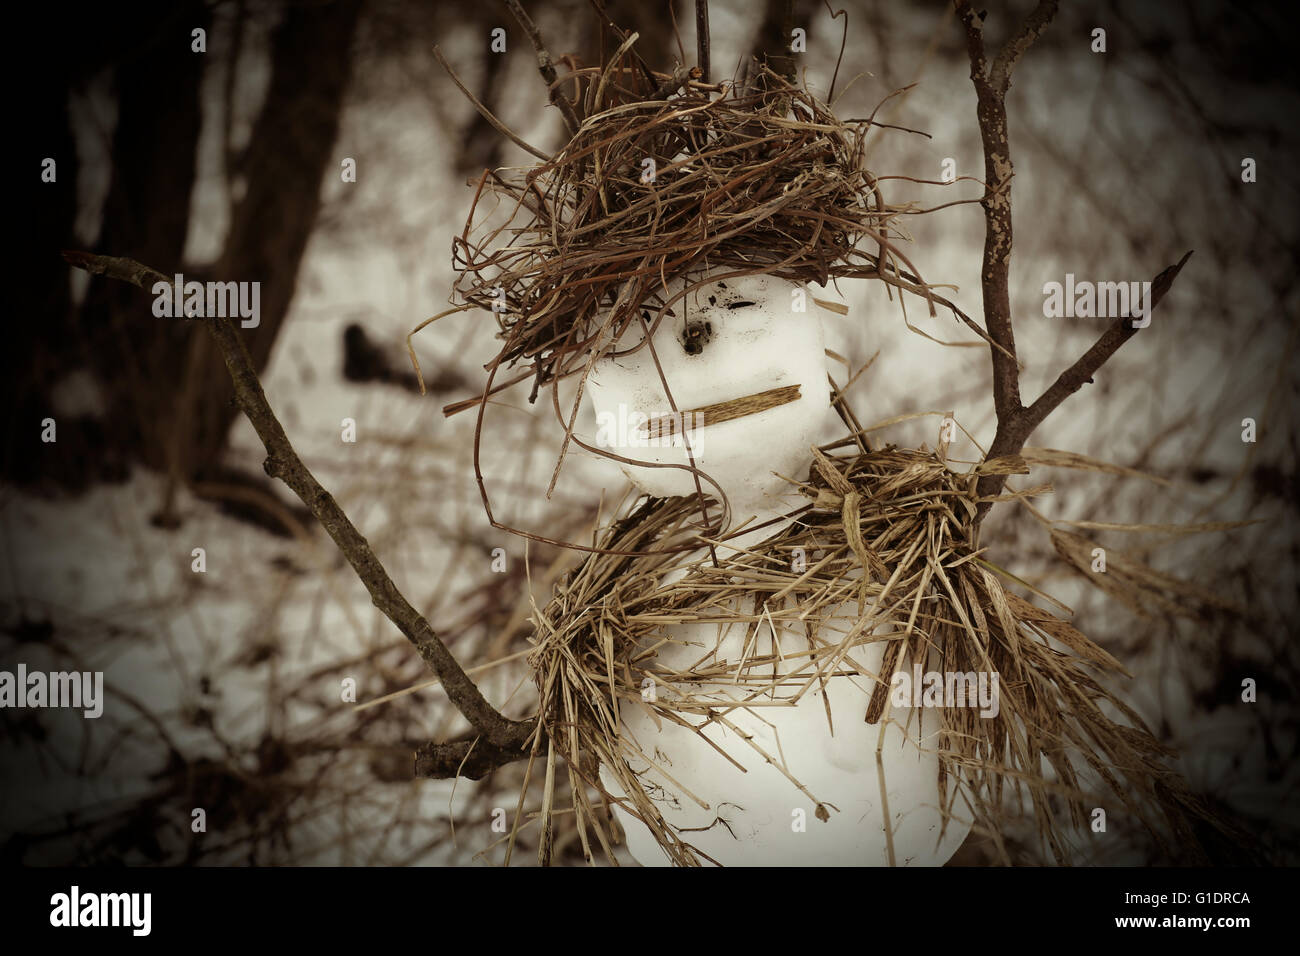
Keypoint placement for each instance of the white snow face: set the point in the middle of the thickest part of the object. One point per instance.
(728, 340)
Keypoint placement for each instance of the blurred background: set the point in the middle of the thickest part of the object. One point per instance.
(223, 687)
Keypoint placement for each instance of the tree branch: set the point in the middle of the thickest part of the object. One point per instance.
(1030, 30)
(1081, 372)
(995, 269)
(1015, 422)
(283, 462)
(471, 759)
(1015, 431)
(702, 39)
(545, 65)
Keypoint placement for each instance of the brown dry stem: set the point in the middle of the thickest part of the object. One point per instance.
(1015, 421)
(505, 736)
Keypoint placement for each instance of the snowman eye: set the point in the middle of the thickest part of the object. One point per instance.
(695, 336)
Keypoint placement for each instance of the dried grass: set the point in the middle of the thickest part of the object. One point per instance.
(903, 516)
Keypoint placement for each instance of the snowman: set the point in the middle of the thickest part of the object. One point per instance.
(720, 673)
(802, 779)
(660, 259)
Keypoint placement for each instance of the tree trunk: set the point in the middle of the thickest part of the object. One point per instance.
(40, 324)
(146, 217)
(290, 153)
(169, 402)
(772, 42)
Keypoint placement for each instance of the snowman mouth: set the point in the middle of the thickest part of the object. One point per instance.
(691, 419)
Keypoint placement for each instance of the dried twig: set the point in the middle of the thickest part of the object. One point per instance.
(545, 66)
(1015, 422)
(486, 113)
(844, 39)
(719, 412)
(702, 38)
(505, 736)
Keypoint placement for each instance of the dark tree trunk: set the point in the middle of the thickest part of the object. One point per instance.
(772, 41)
(289, 155)
(40, 321)
(146, 216)
(169, 403)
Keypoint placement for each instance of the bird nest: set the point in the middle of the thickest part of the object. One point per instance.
(654, 193)
(888, 533)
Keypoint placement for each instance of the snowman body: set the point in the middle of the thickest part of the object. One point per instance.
(805, 780)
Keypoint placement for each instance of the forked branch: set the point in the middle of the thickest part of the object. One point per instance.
(1015, 422)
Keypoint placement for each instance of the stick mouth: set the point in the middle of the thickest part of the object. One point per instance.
(665, 426)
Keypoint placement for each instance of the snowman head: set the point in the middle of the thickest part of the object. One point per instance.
(650, 261)
(729, 377)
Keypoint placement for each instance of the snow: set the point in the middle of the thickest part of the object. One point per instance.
(766, 819)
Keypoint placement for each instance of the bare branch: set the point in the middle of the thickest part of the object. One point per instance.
(486, 113)
(283, 462)
(1015, 422)
(471, 759)
(996, 266)
(1081, 372)
(114, 267)
(1012, 435)
(702, 42)
(1030, 30)
(545, 65)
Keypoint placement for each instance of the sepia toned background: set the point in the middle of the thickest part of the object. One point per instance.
(224, 686)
